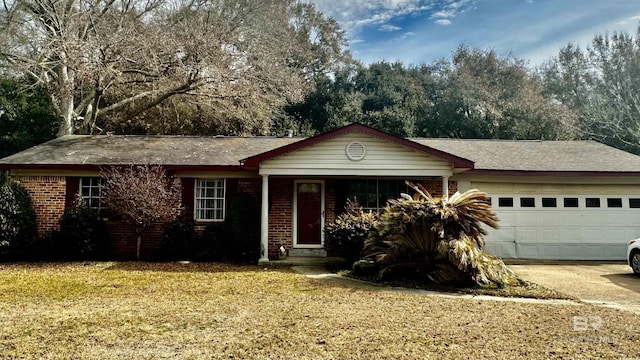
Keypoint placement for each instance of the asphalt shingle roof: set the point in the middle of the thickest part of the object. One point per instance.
(534, 155)
(130, 149)
(572, 156)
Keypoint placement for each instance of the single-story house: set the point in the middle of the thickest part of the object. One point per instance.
(555, 199)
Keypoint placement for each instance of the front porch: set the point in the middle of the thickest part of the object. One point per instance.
(295, 211)
(304, 184)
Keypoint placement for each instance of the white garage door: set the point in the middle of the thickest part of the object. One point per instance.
(568, 227)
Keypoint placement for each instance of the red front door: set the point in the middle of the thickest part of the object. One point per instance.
(309, 213)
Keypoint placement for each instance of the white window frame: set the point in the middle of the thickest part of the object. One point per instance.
(379, 206)
(197, 200)
(93, 182)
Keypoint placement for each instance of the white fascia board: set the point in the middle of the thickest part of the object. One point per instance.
(355, 172)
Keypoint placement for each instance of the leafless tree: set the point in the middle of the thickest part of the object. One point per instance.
(142, 195)
(602, 85)
(107, 62)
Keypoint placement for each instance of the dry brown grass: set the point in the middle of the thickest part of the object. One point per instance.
(193, 311)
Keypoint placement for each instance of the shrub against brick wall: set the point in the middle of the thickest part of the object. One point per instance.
(142, 195)
(17, 220)
(83, 235)
(346, 235)
(237, 239)
(48, 196)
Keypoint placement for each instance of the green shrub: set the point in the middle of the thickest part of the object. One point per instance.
(178, 239)
(82, 235)
(214, 243)
(364, 268)
(237, 239)
(18, 226)
(243, 217)
(347, 234)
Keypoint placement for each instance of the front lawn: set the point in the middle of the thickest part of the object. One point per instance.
(148, 310)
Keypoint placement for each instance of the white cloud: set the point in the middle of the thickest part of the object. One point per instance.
(635, 17)
(443, 22)
(444, 14)
(387, 27)
(354, 14)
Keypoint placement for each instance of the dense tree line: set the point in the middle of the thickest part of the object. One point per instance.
(243, 67)
(475, 94)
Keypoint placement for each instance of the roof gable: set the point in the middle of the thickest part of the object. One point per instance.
(458, 162)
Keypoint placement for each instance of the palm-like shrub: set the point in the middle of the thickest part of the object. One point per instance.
(440, 240)
(346, 235)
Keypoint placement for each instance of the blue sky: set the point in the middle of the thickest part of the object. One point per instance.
(421, 31)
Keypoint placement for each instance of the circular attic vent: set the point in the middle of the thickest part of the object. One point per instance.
(355, 151)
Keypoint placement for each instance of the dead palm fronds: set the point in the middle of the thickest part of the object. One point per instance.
(441, 240)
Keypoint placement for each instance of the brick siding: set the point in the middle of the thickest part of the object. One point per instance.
(280, 215)
(124, 240)
(250, 186)
(434, 186)
(47, 198)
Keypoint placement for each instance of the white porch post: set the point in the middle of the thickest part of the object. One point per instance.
(264, 222)
(445, 187)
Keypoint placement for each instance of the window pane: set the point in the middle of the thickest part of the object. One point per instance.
(634, 203)
(592, 202)
(91, 190)
(571, 202)
(549, 202)
(209, 200)
(527, 202)
(505, 202)
(614, 202)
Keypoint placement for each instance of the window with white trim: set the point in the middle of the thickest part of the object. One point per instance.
(92, 191)
(373, 194)
(209, 199)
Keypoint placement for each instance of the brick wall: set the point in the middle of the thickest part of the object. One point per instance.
(252, 187)
(434, 186)
(329, 201)
(124, 240)
(280, 214)
(47, 197)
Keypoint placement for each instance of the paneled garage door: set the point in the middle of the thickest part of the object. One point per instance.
(571, 227)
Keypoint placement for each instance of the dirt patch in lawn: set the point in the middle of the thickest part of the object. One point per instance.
(192, 311)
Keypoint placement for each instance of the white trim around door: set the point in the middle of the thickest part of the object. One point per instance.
(295, 214)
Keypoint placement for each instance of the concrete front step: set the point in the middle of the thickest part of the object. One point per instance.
(307, 253)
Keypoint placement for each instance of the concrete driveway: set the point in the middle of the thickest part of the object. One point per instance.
(607, 283)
